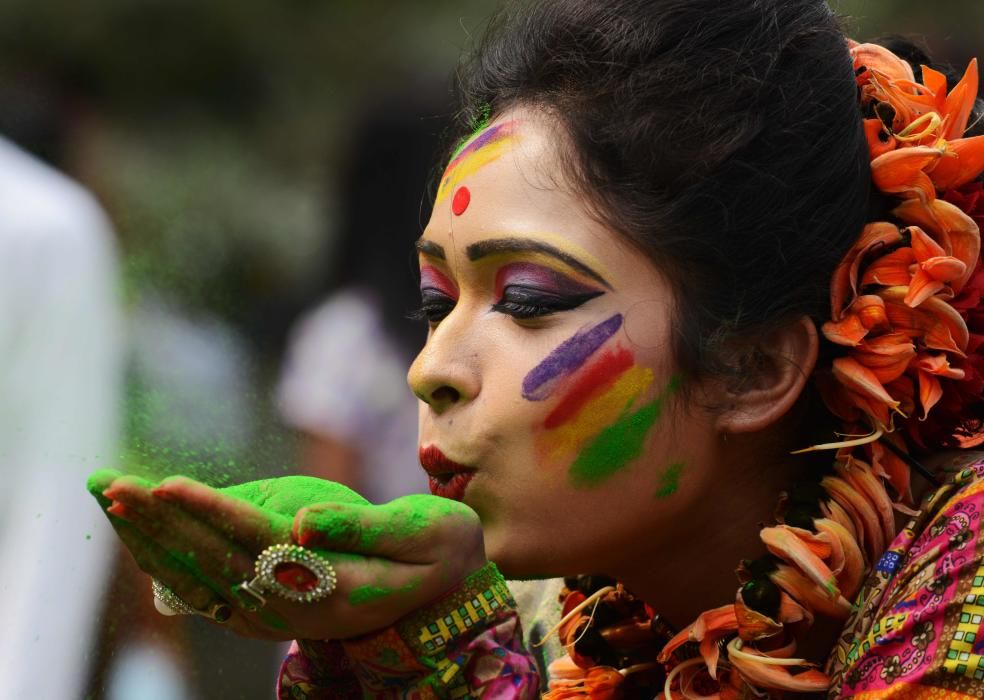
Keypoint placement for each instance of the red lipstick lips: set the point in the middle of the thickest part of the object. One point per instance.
(448, 479)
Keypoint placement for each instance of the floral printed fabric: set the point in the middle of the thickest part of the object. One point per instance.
(467, 645)
(918, 628)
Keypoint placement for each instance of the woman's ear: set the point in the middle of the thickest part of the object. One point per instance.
(772, 384)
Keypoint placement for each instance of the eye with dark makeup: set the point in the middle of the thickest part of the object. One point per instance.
(434, 306)
(438, 295)
(527, 291)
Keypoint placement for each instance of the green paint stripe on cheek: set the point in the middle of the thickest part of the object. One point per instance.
(619, 444)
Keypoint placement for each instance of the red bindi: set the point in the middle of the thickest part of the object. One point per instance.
(462, 198)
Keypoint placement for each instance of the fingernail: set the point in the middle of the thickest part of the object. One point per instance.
(111, 492)
(119, 510)
(163, 494)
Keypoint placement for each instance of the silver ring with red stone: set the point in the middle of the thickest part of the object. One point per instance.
(291, 572)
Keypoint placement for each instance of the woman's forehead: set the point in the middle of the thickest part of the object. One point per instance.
(503, 183)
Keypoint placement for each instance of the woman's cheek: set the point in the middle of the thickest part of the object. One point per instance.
(600, 405)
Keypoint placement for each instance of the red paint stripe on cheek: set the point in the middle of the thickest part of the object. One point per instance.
(431, 277)
(591, 381)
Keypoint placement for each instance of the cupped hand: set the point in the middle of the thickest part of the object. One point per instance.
(203, 542)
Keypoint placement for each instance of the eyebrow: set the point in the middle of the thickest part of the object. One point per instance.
(477, 251)
(430, 248)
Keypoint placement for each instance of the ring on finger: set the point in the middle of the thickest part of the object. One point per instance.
(167, 602)
(291, 572)
(218, 612)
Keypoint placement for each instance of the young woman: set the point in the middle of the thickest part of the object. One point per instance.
(656, 272)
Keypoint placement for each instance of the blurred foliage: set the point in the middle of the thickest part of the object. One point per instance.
(211, 128)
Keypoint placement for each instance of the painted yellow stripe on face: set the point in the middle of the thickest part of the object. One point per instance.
(564, 244)
(596, 415)
(472, 163)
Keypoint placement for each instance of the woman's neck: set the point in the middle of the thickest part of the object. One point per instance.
(693, 569)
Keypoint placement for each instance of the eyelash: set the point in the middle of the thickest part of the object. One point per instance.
(532, 303)
(525, 305)
(434, 306)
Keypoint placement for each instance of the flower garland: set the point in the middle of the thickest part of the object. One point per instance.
(907, 317)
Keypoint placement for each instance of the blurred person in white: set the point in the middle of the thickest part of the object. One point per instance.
(60, 384)
(343, 387)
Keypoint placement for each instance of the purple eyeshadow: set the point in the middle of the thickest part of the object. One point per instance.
(539, 277)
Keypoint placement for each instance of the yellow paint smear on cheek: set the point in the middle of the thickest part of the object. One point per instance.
(596, 415)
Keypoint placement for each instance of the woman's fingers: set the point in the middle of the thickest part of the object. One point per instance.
(206, 552)
(412, 529)
(254, 527)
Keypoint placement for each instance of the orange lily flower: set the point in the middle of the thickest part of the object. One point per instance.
(859, 475)
(595, 683)
(960, 102)
(886, 464)
(903, 172)
(804, 550)
(928, 368)
(937, 324)
(834, 511)
(771, 672)
(935, 268)
(862, 513)
(709, 628)
(962, 162)
(876, 57)
(850, 569)
(878, 138)
(887, 356)
(801, 588)
(956, 232)
(844, 285)
(864, 383)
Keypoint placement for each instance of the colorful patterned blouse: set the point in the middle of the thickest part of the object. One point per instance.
(917, 630)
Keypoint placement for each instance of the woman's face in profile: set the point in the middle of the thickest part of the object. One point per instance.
(549, 392)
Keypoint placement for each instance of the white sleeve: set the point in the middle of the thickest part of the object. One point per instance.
(60, 384)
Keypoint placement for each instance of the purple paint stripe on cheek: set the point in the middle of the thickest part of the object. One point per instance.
(567, 357)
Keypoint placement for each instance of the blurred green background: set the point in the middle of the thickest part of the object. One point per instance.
(210, 129)
(212, 133)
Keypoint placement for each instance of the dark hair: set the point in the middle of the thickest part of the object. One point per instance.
(722, 137)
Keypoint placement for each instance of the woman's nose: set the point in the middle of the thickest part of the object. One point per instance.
(443, 376)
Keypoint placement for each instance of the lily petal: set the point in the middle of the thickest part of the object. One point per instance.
(856, 376)
(791, 546)
(960, 102)
(958, 233)
(852, 574)
(902, 172)
(809, 593)
(963, 161)
(877, 57)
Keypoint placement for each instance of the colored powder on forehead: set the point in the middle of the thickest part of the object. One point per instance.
(618, 444)
(487, 147)
(477, 124)
(460, 201)
(669, 480)
(566, 358)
